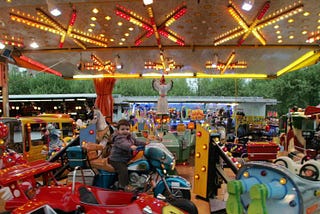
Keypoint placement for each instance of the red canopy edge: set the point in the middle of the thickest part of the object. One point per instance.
(27, 62)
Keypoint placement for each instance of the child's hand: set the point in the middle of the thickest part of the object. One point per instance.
(133, 147)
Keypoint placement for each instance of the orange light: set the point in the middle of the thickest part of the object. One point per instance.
(204, 147)
(198, 155)
(203, 169)
(196, 177)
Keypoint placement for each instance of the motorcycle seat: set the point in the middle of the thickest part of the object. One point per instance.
(102, 163)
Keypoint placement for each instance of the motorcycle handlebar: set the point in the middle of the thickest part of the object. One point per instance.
(140, 148)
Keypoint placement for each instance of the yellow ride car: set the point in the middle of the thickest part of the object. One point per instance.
(25, 133)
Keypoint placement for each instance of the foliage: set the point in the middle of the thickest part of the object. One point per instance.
(25, 82)
(297, 88)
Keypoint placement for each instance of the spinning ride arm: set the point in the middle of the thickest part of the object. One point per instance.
(268, 188)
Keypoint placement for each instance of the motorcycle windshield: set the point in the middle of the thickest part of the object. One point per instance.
(158, 152)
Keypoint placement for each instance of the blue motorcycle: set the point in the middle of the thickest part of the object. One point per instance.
(151, 170)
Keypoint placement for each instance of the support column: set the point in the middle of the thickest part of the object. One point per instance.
(4, 86)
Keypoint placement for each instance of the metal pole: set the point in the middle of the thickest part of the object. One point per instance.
(4, 86)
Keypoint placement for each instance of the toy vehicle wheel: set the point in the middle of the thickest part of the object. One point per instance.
(310, 172)
(178, 193)
(184, 204)
(281, 163)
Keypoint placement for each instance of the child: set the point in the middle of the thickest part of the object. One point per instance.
(55, 143)
(122, 152)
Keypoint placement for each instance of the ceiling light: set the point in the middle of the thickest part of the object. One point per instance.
(34, 45)
(306, 13)
(55, 12)
(53, 9)
(153, 75)
(95, 10)
(147, 2)
(247, 5)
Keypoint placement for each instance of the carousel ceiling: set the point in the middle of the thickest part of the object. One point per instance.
(191, 38)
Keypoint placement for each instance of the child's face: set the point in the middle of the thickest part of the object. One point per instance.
(124, 130)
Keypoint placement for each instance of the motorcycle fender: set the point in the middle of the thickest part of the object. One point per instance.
(174, 182)
(139, 166)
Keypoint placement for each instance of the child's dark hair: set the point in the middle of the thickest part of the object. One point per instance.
(123, 122)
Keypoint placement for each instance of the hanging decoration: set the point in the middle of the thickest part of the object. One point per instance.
(150, 26)
(246, 29)
(47, 23)
(100, 65)
(166, 64)
(229, 64)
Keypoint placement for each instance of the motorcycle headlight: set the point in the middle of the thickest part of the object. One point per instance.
(173, 164)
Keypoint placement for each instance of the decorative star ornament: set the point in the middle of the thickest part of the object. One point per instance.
(245, 29)
(229, 64)
(150, 26)
(166, 64)
(47, 23)
(100, 65)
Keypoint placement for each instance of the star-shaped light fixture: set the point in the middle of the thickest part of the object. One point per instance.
(47, 23)
(166, 64)
(12, 41)
(314, 37)
(100, 65)
(150, 26)
(246, 29)
(229, 64)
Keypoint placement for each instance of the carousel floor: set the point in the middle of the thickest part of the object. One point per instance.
(204, 206)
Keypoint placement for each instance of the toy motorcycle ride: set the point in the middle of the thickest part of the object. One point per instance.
(150, 165)
(148, 172)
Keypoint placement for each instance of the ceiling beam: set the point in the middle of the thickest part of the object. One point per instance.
(187, 47)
